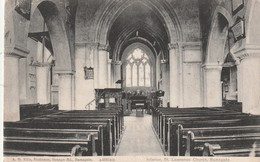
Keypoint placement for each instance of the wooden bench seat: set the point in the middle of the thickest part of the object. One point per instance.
(104, 141)
(213, 150)
(81, 117)
(175, 128)
(33, 110)
(166, 122)
(162, 122)
(48, 146)
(235, 138)
(162, 128)
(114, 126)
(63, 129)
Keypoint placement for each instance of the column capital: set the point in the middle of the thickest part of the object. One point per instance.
(39, 64)
(172, 46)
(87, 44)
(186, 45)
(104, 47)
(212, 66)
(118, 62)
(190, 45)
(64, 72)
(247, 51)
(16, 51)
(109, 61)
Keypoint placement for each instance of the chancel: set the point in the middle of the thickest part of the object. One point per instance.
(131, 78)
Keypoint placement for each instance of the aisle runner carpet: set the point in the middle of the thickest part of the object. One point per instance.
(139, 138)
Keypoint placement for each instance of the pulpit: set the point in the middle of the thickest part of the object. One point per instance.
(108, 98)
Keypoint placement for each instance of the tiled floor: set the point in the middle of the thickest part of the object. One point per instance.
(139, 138)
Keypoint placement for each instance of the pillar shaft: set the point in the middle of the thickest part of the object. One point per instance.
(109, 73)
(239, 83)
(11, 81)
(248, 77)
(174, 90)
(250, 68)
(117, 74)
(11, 89)
(65, 91)
(43, 84)
(212, 86)
(103, 71)
(165, 83)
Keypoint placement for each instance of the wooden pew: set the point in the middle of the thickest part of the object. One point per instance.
(108, 136)
(201, 117)
(159, 112)
(232, 141)
(111, 120)
(187, 117)
(197, 115)
(116, 113)
(33, 110)
(101, 132)
(47, 142)
(215, 150)
(118, 120)
(175, 139)
(76, 120)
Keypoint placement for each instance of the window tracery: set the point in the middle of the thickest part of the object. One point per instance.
(138, 69)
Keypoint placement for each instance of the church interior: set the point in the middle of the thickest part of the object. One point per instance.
(131, 78)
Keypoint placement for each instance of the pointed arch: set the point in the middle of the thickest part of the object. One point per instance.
(58, 34)
(221, 21)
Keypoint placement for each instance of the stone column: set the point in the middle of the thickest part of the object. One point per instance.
(43, 82)
(11, 82)
(109, 76)
(239, 81)
(212, 85)
(165, 82)
(65, 91)
(181, 47)
(102, 66)
(117, 73)
(249, 78)
(174, 77)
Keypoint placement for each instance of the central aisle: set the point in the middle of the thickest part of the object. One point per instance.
(139, 138)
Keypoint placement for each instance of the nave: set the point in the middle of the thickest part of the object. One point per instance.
(74, 71)
(166, 131)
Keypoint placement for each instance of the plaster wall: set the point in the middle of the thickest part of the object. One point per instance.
(192, 76)
(84, 89)
(192, 86)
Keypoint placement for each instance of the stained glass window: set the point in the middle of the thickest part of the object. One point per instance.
(138, 69)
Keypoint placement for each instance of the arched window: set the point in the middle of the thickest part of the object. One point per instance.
(138, 69)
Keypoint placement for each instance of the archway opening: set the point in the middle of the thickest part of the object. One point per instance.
(139, 41)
